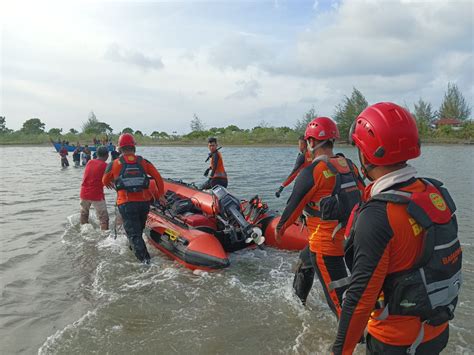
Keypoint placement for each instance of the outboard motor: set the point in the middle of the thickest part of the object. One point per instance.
(229, 207)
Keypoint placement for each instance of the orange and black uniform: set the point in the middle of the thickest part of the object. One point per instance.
(325, 254)
(134, 206)
(302, 161)
(218, 174)
(386, 240)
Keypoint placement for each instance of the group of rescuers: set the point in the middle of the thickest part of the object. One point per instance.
(397, 236)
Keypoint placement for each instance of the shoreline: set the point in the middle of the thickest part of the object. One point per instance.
(239, 145)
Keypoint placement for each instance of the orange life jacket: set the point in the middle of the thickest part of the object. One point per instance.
(113, 172)
(417, 288)
(337, 191)
(219, 173)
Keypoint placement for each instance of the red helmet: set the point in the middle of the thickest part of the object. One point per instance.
(321, 129)
(386, 134)
(126, 140)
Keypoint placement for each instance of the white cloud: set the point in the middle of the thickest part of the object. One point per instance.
(248, 89)
(117, 54)
(229, 70)
(241, 50)
(385, 38)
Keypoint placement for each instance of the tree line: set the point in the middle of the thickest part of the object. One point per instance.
(453, 105)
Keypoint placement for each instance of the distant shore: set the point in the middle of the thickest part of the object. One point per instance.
(233, 144)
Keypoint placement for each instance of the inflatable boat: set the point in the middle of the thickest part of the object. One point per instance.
(200, 228)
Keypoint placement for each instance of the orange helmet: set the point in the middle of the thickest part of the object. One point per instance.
(321, 129)
(126, 140)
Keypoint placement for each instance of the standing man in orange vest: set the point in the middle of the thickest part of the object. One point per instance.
(130, 175)
(325, 192)
(302, 161)
(216, 171)
(403, 249)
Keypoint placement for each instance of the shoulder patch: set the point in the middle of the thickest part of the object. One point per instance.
(437, 201)
(328, 173)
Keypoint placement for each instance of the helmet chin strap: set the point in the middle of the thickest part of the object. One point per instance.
(313, 150)
(365, 168)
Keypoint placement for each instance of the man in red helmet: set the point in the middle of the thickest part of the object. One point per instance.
(129, 175)
(402, 248)
(325, 192)
(302, 161)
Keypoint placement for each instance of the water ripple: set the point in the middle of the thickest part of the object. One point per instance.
(71, 289)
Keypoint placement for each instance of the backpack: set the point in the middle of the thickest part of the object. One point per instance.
(345, 195)
(132, 177)
(431, 287)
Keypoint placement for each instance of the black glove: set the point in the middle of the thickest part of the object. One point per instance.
(278, 192)
(207, 172)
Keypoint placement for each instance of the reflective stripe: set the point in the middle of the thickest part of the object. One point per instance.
(397, 192)
(339, 283)
(348, 184)
(441, 284)
(138, 181)
(447, 245)
(220, 175)
(442, 293)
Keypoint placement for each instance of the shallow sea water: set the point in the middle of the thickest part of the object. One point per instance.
(70, 289)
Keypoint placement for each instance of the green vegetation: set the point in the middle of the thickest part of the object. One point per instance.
(346, 112)
(196, 124)
(33, 126)
(54, 132)
(453, 106)
(424, 115)
(3, 126)
(300, 125)
(127, 130)
(94, 126)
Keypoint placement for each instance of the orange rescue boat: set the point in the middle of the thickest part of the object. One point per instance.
(199, 228)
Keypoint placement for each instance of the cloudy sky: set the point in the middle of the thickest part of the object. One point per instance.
(151, 65)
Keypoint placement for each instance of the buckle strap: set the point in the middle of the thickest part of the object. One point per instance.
(310, 212)
(419, 339)
(384, 314)
(336, 229)
(380, 304)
